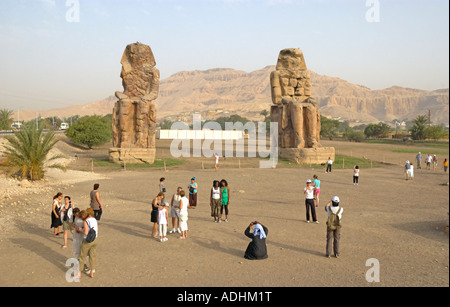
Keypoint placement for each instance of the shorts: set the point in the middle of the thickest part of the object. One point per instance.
(317, 191)
(175, 212)
(66, 226)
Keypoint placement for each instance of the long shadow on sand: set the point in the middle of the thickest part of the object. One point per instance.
(216, 246)
(132, 231)
(431, 230)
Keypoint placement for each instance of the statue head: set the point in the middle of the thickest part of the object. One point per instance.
(291, 59)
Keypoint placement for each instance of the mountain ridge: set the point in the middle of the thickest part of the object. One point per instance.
(247, 94)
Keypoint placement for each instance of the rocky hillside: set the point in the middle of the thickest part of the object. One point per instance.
(249, 93)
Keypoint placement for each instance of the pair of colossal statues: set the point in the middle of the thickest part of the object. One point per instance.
(134, 115)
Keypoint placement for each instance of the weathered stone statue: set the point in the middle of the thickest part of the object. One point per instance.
(134, 115)
(295, 111)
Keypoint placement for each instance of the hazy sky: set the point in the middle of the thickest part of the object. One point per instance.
(48, 62)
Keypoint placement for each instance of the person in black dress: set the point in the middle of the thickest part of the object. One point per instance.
(56, 207)
(257, 249)
(154, 215)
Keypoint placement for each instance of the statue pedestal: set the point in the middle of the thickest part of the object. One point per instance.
(132, 155)
(308, 155)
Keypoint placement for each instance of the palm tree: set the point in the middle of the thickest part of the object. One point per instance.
(27, 152)
(6, 119)
(418, 129)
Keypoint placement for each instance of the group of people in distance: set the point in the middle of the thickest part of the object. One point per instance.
(431, 161)
(179, 205)
(82, 224)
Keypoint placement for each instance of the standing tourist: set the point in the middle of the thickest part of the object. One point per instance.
(162, 188)
(193, 189)
(419, 160)
(215, 201)
(67, 217)
(407, 169)
(445, 165)
(78, 234)
(329, 165)
(333, 226)
(89, 248)
(309, 202)
(184, 205)
(56, 207)
(163, 219)
(257, 249)
(435, 162)
(216, 162)
(429, 160)
(316, 185)
(96, 204)
(225, 196)
(175, 211)
(154, 215)
(411, 171)
(356, 175)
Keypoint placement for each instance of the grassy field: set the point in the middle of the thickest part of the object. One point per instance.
(159, 163)
(341, 162)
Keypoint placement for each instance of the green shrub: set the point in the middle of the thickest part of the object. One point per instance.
(90, 131)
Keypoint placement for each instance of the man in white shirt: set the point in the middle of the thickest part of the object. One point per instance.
(329, 164)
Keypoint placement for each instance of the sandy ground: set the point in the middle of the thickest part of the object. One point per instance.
(401, 223)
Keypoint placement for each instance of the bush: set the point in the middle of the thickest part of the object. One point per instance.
(354, 136)
(380, 130)
(90, 131)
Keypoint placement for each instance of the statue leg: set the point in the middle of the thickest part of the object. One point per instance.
(125, 109)
(297, 119)
(310, 124)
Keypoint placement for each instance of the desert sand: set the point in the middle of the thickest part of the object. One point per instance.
(401, 223)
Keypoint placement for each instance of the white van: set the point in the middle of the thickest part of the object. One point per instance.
(64, 126)
(16, 126)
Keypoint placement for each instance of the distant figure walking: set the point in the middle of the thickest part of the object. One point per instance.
(257, 249)
(193, 189)
(215, 201)
(329, 165)
(309, 202)
(216, 162)
(162, 188)
(411, 171)
(96, 204)
(419, 160)
(428, 161)
(56, 207)
(333, 226)
(445, 165)
(435, 162)
(407, 169)
(356, 175)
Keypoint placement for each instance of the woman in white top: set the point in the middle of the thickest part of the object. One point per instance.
(356, 175)
(175, 211)
(309, 202)
(215, 201)
(89, 248)
(184, 204)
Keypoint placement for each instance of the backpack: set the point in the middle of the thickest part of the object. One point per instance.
(91, 234)
(333, 221)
